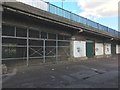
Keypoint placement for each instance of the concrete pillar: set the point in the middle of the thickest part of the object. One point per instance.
(103, 49)
(71, 47)
(1, 9)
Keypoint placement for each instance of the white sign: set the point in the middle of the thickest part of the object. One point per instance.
(79, 49)
(99, 49)
(117, 49)
(107, 49)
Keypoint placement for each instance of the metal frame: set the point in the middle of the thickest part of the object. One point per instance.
(56, 48)
(76, 17)
(44, 54)
(44, 51)
(35, 51)
(1, 9)
(0, 36)
(27, 47)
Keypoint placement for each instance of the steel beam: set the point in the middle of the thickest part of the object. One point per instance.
(15, 32)
(27, 47)
(0, 34)
(1, 10)
(44, 51)
(56, 48)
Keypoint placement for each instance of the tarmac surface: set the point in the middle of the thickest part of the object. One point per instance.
(91, 73)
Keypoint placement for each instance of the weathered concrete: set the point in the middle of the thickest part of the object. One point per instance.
(29, 22)
(48, 27)
(11, 17)
(99, 56)
(26, 9)
(3, 67)
(97, 73)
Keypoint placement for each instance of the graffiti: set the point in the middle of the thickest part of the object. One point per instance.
(96, 49)
(107, 49)
(78, 49)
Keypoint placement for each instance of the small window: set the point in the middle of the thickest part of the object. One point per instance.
(34, 34)
(21, 42)
(8, 30)
(9, 40)
(21, 32)
(44, 35)
(61, 43)
(36, 42)
(60, 37)
(51, 36)
(50, 43)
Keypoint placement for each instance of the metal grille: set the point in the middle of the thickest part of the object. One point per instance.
(30, 47)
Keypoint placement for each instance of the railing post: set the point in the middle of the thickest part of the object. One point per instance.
(27, 47)
(98, 26)
(56, 48)
(1, 10)
(44, 51)
(71, 15)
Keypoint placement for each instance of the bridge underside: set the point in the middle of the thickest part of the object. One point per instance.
(27, 38)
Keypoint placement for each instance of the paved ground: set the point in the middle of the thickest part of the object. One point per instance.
(98, 73)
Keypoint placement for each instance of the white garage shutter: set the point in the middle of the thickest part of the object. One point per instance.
(99, 49)
(107, 49)
(117, 49)
(79, 49)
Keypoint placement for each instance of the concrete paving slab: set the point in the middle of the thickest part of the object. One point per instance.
(103, 77)
(83, 74)
(67, 75)
(68, 78)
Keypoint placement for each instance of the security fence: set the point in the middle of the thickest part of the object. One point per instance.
(27, 43)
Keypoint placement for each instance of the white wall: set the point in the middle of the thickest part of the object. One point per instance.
(36, 3)
(117, 49)
(107, 48)
(79, 49)
(99, 49)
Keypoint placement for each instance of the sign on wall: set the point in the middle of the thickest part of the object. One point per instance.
(99, 49)
(107, 49)
(79, 49)
(117, 49)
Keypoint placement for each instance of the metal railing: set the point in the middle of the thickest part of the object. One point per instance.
(69, 15)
